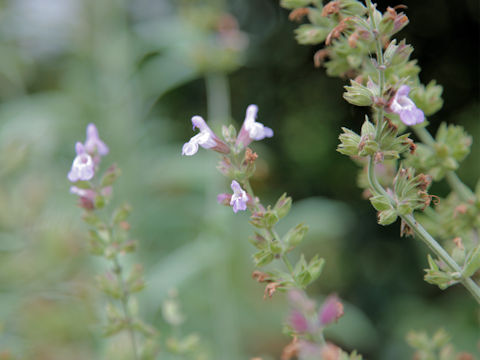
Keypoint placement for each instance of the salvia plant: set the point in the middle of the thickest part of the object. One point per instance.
(306, 323)
(396, 171)
(109, 238)
(398, 160)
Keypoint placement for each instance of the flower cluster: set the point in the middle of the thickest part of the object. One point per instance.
(251, 130)
(88, 156)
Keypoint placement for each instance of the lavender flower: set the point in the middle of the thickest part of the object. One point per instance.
(84, 193)
(239, 198)
(93, 143)
(331, 311)
(206, 138)
(252, 130)
(83, 167)
(402, 105)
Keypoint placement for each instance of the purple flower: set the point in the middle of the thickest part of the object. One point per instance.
(252, 130)
(239, 198)
(331, 310)
(93, 143)
(206, 138)
(83, 167)
(402, 105)
(84, 193)
(298, 321)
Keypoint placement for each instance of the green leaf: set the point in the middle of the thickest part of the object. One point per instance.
(295, 235)
(263, 257)
(472, 264)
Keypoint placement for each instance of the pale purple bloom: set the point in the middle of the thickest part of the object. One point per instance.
(83, 167)
(93, 143)
(332, 310)
(252, 130)
(239, 198)
(298, 321)
(402, 105)
(206, 138)
(84, 193)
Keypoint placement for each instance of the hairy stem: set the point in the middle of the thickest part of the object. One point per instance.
(419, 230)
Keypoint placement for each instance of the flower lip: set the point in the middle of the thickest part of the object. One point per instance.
(402, 105)
(83, 167)
(94, 143)
(239, 198)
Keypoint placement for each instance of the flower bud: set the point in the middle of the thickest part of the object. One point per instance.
(387, 217)
(380, 203)
(428, 98)
(331, 311)
(298, 322)
(349, 142)
(283, 205)
(357, 94)
(295, 235)
(308, 34)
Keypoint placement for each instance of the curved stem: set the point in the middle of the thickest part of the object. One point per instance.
(425, 136)
(423, 234)
(124, 301)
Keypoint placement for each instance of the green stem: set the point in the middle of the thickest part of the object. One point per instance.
(380, 64)
(425, 136)
(218, 98)
(423, 234)
(224, 306)
(124, 301)
(462, 190)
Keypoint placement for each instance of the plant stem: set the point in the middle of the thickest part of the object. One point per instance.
(425, 136)
(124, 301)
(423, 234)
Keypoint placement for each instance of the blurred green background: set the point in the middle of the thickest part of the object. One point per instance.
(139, 70)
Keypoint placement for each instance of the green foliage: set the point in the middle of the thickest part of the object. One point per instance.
(436, 347)
(452, 145)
